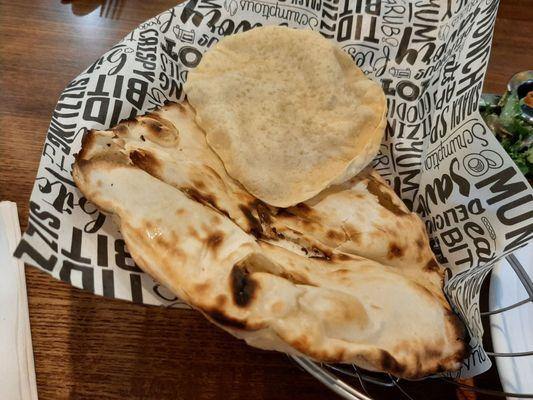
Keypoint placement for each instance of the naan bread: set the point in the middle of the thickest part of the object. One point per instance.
(277, 278)
(374, 228)
(364, 217)
(287, 111)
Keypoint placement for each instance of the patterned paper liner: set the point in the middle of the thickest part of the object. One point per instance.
(438, 154)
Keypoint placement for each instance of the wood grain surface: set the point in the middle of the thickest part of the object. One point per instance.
(87, 347)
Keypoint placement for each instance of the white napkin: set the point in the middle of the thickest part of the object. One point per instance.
(17, 371)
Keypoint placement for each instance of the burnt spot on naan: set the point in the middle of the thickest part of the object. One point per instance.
(432, 266)
(278, 307)
(286, 216)
(221, 318)
(395, 251)
(214, 240)
(277, 234)
(243, 286)
(153, 126)
(202, 288)
(263, 212)
(87, 143)
(146, 161)
(341, 271)
(259, 217)
(221, 300)
(285, 213)
(206, 199)
(150, 225)
(303, 209)
(343, 257)
(193, 232)
(335, 235)
(159, 240)
(440, 368)
(320, 252)
(389, 363)
(195, 195)
(198, 184)
(216, 219)
(297, 279)
(170, 104)
(302, 344)
(254, 225)
(384, 199)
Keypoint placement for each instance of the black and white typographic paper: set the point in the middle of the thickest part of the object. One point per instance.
(430, 57)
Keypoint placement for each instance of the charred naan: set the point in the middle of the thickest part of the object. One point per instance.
(335, 278)
(287, 111)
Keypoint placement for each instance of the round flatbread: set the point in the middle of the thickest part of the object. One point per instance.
(287, 111)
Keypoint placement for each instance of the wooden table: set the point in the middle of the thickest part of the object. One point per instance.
(87, 347)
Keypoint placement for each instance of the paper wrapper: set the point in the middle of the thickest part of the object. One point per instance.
(430, 57)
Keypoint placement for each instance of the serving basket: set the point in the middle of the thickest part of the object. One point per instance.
(149, 66)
